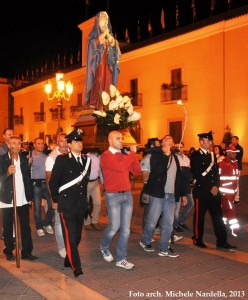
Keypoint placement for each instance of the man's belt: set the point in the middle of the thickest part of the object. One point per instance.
(76, 180)
(119, 192)
(91, 180)
(38, 180)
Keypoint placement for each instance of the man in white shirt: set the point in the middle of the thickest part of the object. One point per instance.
(179, 220)
(14, 164)
(93, 191)
(61, 149)
(4, 148)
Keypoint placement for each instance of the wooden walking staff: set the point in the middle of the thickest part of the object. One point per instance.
(15, 215)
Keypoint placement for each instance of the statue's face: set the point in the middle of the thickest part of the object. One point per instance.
(103, 20)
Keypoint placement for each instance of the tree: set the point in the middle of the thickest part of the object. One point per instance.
(227, 138)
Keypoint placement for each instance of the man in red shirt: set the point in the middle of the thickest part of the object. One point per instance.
(116, 167)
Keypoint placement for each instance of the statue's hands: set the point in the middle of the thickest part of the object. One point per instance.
(106, 38)
(105, 33)
(109, 37)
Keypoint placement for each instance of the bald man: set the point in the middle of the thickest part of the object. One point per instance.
(116, 167)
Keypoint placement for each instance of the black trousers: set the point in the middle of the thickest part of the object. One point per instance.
(213, 205)
(72, 225)
(8, 221)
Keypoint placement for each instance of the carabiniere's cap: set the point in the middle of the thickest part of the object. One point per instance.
(75, 135)
(208, 135)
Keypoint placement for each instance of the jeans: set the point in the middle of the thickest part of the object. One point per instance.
(145, 214)
(166, 206)
(41, 192)
(146, 211)
(119, 208)
(176, 215)
(185, 211)
(58, 231)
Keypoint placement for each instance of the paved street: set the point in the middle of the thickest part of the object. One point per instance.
(197, 273)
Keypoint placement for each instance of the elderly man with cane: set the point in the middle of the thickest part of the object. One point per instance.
(15, 195)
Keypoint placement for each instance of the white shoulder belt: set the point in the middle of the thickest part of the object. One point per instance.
(210, 166)
(78, 179)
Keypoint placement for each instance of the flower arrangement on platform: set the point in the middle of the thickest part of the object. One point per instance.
(117, 110)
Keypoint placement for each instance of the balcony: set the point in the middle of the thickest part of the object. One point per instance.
(75, 110)
(39, 117)
(55, 114)
(18, 120)
(173, 92)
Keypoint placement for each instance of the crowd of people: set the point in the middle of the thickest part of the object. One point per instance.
(66, 181)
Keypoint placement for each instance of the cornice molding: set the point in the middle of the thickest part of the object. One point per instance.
(207, 31)
(40, 85)
(186, 38)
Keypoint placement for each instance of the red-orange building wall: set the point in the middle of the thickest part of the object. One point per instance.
(214, 66)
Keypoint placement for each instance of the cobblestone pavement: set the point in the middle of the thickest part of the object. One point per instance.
(197, 273)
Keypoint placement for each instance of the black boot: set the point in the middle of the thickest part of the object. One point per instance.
(67, 262)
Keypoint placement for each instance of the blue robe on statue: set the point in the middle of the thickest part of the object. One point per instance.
(102, 65)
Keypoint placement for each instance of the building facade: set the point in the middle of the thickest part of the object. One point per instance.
(5, 105)
(207, 68)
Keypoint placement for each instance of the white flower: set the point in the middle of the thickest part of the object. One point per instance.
(112, 90)
(105, 98)
(126, 99)
(126, 105)
(130, 110)
(117, 110)
(134, 117)
(100, 113)
(119, 99)
(113, 105)
(117, 119)
(117, 93)
(121, 104)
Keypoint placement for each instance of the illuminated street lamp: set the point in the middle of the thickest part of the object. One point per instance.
(64, 91)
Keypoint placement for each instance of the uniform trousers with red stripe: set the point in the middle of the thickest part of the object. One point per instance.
(213, 205)
(72, 225)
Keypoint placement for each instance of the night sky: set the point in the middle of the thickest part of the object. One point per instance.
(33, 32)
